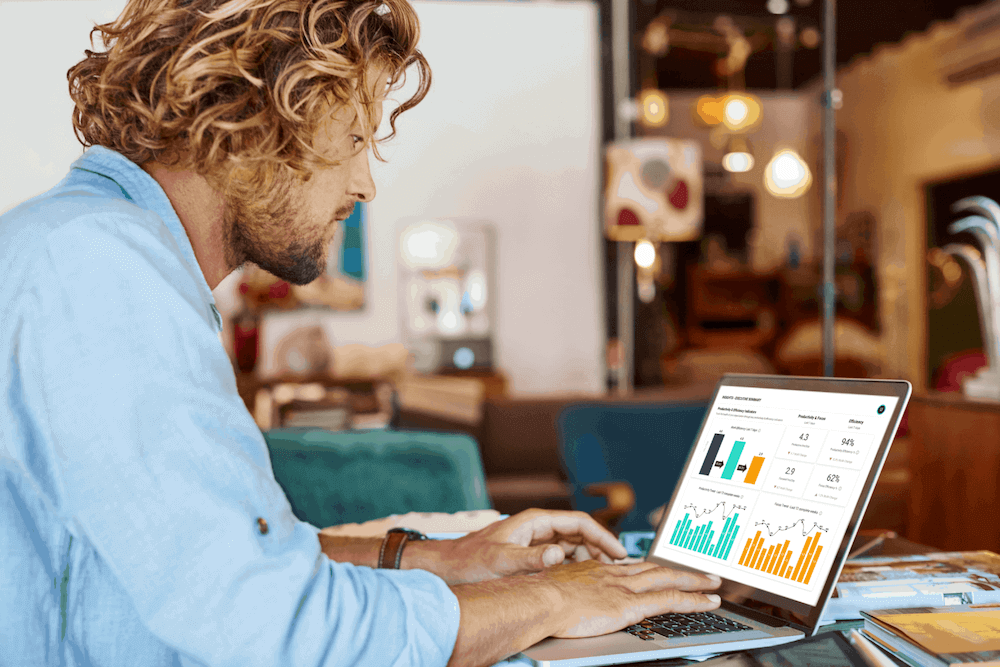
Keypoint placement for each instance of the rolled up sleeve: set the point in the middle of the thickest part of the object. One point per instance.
(148, 455)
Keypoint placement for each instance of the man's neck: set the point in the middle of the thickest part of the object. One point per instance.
(200, 210)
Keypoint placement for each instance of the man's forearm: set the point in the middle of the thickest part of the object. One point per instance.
(498, 617)
(502, 617)
(423, 555)
(356, 550)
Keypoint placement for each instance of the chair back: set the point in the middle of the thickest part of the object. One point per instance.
(644, 444)
(335, 477)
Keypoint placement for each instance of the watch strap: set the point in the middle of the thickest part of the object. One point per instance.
(391, 552)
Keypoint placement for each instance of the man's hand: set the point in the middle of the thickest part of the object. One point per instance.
(504, 616)
(602, 598)
(525, 543)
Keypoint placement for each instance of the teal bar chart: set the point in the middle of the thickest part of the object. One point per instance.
(701, 538)
(733, 460)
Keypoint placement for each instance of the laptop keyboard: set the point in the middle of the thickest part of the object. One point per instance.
(683, 625)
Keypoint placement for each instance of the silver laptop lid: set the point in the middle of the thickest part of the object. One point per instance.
(776, 485)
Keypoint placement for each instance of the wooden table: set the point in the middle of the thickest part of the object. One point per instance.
(955, 472)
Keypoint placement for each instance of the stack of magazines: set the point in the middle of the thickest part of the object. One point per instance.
(938, 636)
(925, 580)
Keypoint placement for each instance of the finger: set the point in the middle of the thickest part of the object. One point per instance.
(563, 524)
(663, 578)
(567, 546)
(674, 601)
(515, 559)
(552, 555)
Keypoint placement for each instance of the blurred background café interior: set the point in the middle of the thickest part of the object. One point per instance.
(616, 202)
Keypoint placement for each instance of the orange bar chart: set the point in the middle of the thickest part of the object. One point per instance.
(775, 558)
(754, 470)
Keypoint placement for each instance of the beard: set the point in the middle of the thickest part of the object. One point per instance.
(272, 233)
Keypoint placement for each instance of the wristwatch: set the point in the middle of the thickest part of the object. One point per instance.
(391, 552)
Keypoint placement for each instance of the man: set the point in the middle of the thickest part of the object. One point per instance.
(139, 518)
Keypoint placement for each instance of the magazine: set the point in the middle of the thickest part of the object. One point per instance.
(938, 636)
(924, 580)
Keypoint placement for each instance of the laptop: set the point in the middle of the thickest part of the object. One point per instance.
(770, 499)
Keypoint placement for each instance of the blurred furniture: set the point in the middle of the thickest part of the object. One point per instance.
(800, 350)
(319, 400)
(955, 467)
(332, 478)
(518, 438)
(608, 450)
(494, 382)
(349, 386)
(446, 281)
(856, 293)
(708, 365)
(731, 309)
(889, 506)
(451, 400)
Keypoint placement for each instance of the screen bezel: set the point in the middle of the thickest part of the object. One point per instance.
(798, 614)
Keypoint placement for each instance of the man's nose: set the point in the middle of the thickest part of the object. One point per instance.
(362, 185)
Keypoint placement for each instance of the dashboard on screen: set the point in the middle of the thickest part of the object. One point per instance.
(772, 485)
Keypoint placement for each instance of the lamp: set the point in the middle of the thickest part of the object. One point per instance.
(654, 190)
(655, 111)
(787, 175)
(737, 112)
(645, 254)
(739, 156)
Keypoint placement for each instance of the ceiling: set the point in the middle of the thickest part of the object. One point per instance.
(861, 25)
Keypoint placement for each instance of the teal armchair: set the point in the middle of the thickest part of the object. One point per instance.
(336, 477)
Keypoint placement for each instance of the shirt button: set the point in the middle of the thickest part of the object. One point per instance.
(262, 526)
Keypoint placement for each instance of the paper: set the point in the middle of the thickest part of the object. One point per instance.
(959, 632)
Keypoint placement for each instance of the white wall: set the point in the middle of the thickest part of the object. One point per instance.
(41, 40)
(510, 132)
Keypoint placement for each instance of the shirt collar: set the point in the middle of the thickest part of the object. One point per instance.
(142, 189)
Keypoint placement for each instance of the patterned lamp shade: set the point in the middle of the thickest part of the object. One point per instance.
(654, 190)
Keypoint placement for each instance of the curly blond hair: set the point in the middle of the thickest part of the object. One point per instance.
(224, 84)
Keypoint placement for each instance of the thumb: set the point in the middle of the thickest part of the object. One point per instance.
(531, 559)
(550, 554)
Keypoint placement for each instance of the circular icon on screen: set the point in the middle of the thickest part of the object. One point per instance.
(881, 409)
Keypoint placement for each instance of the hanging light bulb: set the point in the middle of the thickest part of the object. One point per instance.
(738, 157)
(736, 111)
(645, 254)
(741, 112)
(655, 111)
(787, 175)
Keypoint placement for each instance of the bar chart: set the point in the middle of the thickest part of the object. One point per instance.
(730, 465)
(774, 557)
(701, 538)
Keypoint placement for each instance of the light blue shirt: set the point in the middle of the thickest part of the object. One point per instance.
(132, 477)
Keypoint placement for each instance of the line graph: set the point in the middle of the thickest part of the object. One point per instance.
(780, 529)
(725, 514)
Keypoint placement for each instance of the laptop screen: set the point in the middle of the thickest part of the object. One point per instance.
(777, 481)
